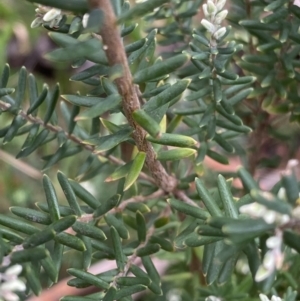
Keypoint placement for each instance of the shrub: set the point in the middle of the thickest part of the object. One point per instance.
(165, 87)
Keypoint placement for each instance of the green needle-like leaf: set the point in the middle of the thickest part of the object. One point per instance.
(227, 199)
(141, 229)
(52, 103)
(69, 193)
(196, 212)
(207, 199)
(175, 154)
(165, 67)
(141, 9)
(84, 195)
(135, 169)
(101, 107)
(107, 205)
(146, 122)
(51, 198)
(117, 245)
(89, 230)
(29, 255)
(88, 277)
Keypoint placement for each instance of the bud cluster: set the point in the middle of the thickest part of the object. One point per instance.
(265, 298)
(214, 14)
(10, 283)
(213, 298)
(46, 15)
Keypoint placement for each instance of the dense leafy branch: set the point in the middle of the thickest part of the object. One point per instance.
(213, 84)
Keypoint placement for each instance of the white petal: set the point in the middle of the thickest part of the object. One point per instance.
(275, 298)
(205, 11)
(220, 4)
(273, 242)
(51, 14)
(270, 217)
(36, 22)
(211, 8)
(209, 26)
(262, 274)
(263, 297)
(14, 270)
(269, 260)
(220, 33)
(221, 16)
(13, 285)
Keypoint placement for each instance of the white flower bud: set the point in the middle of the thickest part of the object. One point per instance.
(269, 261)
(220, 4)
(275, 298)
(273, 242)
(296, 212)
(212, 298)
(13, 285)
(221, 16)
(14, 270)
(10, 296)
(220, 33)
(51, 14)
(205, 11)
(262, 273)
(282, 193)
(209, 26)
(269, 217)
(283, 219)
(211, 8)
(254, 210)
(85, 20)
(263, 297)
(36, 22)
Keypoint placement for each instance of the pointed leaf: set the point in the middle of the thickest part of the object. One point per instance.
(84, 195)
(165, 67)
(196, 212)
(69, 193)
(31, 215)
(175, 154)
(29, 255)
(227, 199)
(207, 199)
(52, 103)
(82, 101)
(89, 230)
(173, 140)
(109, 103)
(117, 245)
(141, 9)
(51, 198)
(108, 142)
(135, 170)
(118, 224)
(107, 205)
(146, 122)
(88, 277)
(70, 241)
(141, 229)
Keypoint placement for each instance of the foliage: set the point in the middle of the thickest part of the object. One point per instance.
(221, 87)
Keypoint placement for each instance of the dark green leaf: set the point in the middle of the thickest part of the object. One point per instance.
(165, 67)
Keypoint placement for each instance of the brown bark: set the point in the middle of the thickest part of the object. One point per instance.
(116, 55)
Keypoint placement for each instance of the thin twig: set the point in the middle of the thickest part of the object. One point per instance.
(181, 195)
(57, 129)
(20, 165)
(116, 56)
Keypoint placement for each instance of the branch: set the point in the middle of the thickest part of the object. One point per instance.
(57, 129)
(116, 56)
